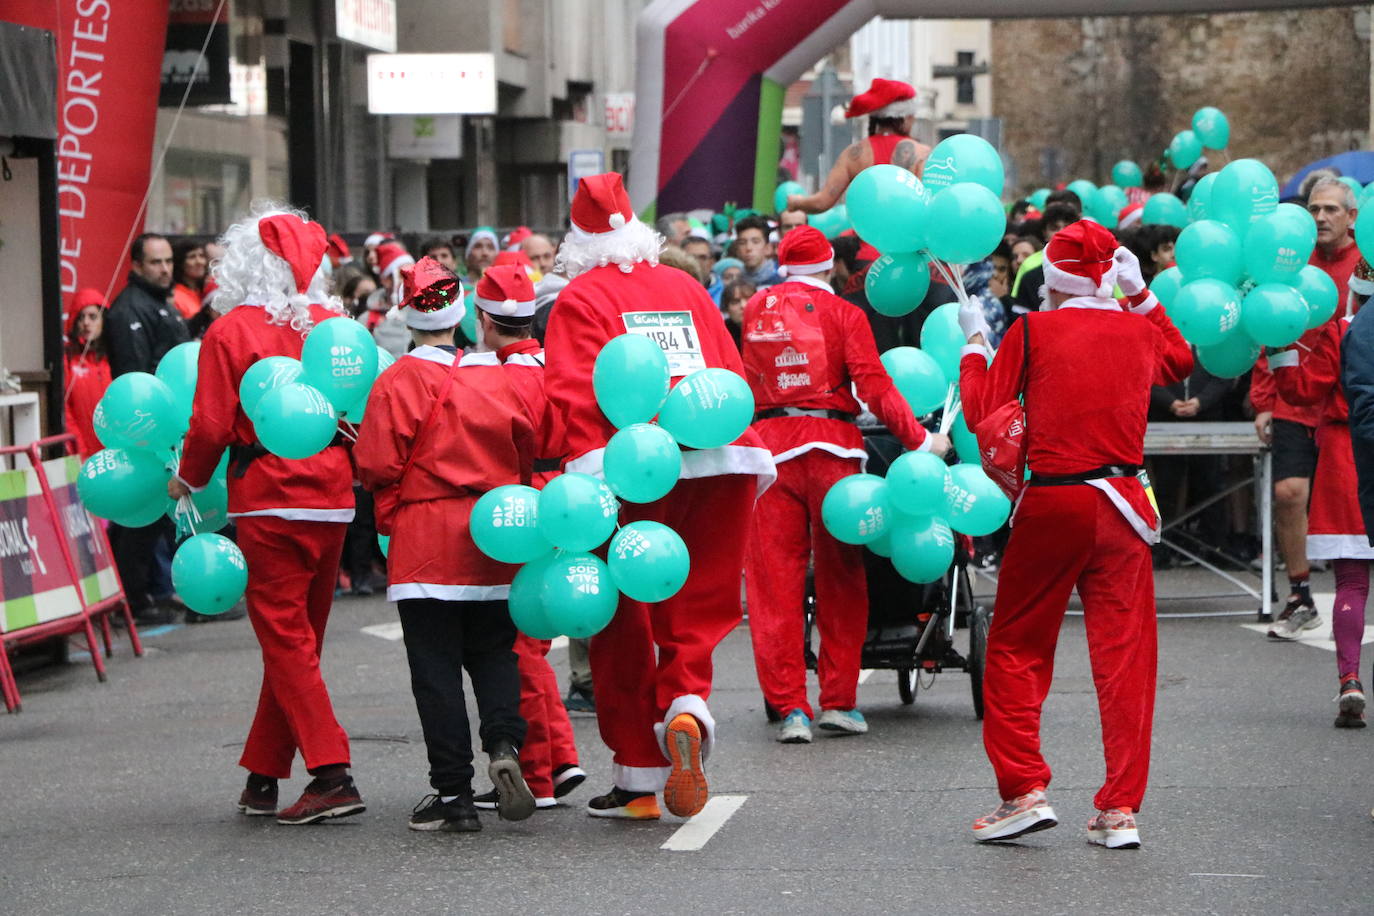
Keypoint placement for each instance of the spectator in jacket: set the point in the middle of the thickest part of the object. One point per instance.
(143, 325)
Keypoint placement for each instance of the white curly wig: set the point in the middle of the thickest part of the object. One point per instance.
(631, 244)
(250, 274)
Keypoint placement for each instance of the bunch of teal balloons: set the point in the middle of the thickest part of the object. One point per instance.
(911, 515)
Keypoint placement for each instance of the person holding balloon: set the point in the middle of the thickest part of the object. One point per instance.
(1084, 521)
(436, 437)
(291, 514)
(652, 665)
(806, 352)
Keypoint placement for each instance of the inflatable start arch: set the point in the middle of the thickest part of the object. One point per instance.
(712, 73)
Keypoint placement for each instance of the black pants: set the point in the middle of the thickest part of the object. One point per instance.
(135, 554)
(442, 638)
(360, 544)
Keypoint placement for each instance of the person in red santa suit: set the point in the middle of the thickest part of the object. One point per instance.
(805, 351)
(385, 327)
(1084, 521)
(291, 515)
(505, 318)
(891, 109)
(435, 438)
(651, 666)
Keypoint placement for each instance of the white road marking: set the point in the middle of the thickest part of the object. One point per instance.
(1219, 874)
(559, 642)
(695, 834)
(1318, 637)
(865, 674)
(389, 631)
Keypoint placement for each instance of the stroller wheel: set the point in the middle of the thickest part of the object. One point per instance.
(908, 680)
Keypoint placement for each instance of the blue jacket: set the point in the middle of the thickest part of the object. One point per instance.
(1357, 380)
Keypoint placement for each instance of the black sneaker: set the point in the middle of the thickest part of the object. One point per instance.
(580, 702)
(515, 802)
(624, 805)
(156, 615)
(237, 612)
(457, 816)
(566, 778)
(259, 797)
(490, 801)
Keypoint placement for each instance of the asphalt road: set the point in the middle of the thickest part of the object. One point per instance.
(119, 797)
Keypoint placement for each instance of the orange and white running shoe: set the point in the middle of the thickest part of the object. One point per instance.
(629, 806)
(1115, 829)
(686, 791)
(1016, 817)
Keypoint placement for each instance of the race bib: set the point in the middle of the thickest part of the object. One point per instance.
(676, 335)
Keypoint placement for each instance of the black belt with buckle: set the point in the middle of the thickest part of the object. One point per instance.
(774, 413)
(1102, 473)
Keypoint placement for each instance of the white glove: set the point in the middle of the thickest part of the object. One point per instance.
(1128, 275)
(972, 321)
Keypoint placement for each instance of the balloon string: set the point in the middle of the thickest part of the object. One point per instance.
(951, 413)
(350, 436)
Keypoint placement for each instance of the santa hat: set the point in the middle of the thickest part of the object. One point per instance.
(1081, 260)
(391, 257)
(884, 99)
(482, 232)
(1130, 215)
(601, 205)
(338, 248)
(300, 243)
(517, 235)
(803, 251)
(514, 257)
(505, 291)
(1361, 281)
(433, 296)
(376, 238)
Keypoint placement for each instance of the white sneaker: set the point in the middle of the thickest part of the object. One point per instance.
(1114, 829)
(1016, 817)
(847, 721)
(795, 728)
(1304, 617)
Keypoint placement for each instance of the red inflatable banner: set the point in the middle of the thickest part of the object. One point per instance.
(109, 65)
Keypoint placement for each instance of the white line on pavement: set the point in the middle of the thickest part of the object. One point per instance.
(559, 642)
(695, 834)
(389, 631)
(1219, 874)
(865, 674)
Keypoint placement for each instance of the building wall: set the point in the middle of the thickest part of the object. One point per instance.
(1076, 95)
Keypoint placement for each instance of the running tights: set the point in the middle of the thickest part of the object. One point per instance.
(1347, 617)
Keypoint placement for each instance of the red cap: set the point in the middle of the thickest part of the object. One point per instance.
(601, 204)
(805, 250)
(1081, 259)
(505, 289)
(517, 235)
(83, 298)
(514, 257)
(880, 94)
(339, 248)
(298, 242)
(1128, 217)
(392, 256)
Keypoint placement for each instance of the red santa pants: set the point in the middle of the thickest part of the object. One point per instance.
(787, 531)
(291, 571)
(1066, 536)
(549, 736)
(633, 688)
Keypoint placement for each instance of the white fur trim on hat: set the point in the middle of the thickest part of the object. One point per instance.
(1060, 280)
(1360, 286)
(403, 260)
(906, 108)
(437, 320)
(799, 270)
(511, 308)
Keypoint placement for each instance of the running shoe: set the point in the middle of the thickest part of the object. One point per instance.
(1016, 817)
(454, 816)
(686, 791)
(579, 702)
(489, 801)
(795, 728)
(1115, 829)
(629, 806)
(323, 800)
(1350, 708)
(515, 801)
(259, 798)
(843, 721)
(1295, 618)
(566, 778)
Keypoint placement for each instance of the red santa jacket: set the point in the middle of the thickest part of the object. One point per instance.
(848, 354)
(479, 438)
(319, 488)
(1087, 390)
(605, 302)
(524, 365)
(87, 375)
(1264, 395)
(1309, 376)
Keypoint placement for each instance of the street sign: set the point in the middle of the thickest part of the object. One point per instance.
(583, 163)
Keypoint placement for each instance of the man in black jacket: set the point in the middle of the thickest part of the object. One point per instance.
(143, 324)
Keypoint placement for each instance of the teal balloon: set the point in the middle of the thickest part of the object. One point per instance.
(1279, 245)
(178, 369)
(468, 323)
(1212, 128)
(1364, 232)
(1185, 149)
(1209, 248)
(916, 484)
(974, 504)
(1273, 314)
(295, 421)
(265, 375)
(1353, 185)
(384, 543)
(212, 502)
(1200, 200)
(943, 339)
(577, 511)
(1206, 312)
(708, 409)
(116, 483)
(1039, 197)
(526, 602)
(964, 157)
(896, 283)
(579, 596)
(965, 442)
(209, 573)
(1166, 285)
(1244, 191)
(918, 377)
(1164, 210)
(630, 378)
(888, 206)
(1127, 174)
(642, 463)
(857, 509)
(1088, 196)
(384, 360)
(1319, 291)
(831, 223)
(784, 191)
(138, 411)
(922, 549)
(1114, 200)
(648, 561)
(340, 360)
(883, 545)
(504, 524)
(967, 223)
(1231, 358)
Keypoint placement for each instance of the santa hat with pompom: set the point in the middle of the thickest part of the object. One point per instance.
(884, 99)
(433, 296)
(300, 243)
(601, 205)
(391, 257)
(1081, 260)
(505, 291)
(512, 240)
(804, 251)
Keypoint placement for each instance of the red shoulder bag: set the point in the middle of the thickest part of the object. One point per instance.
(1002, 443)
